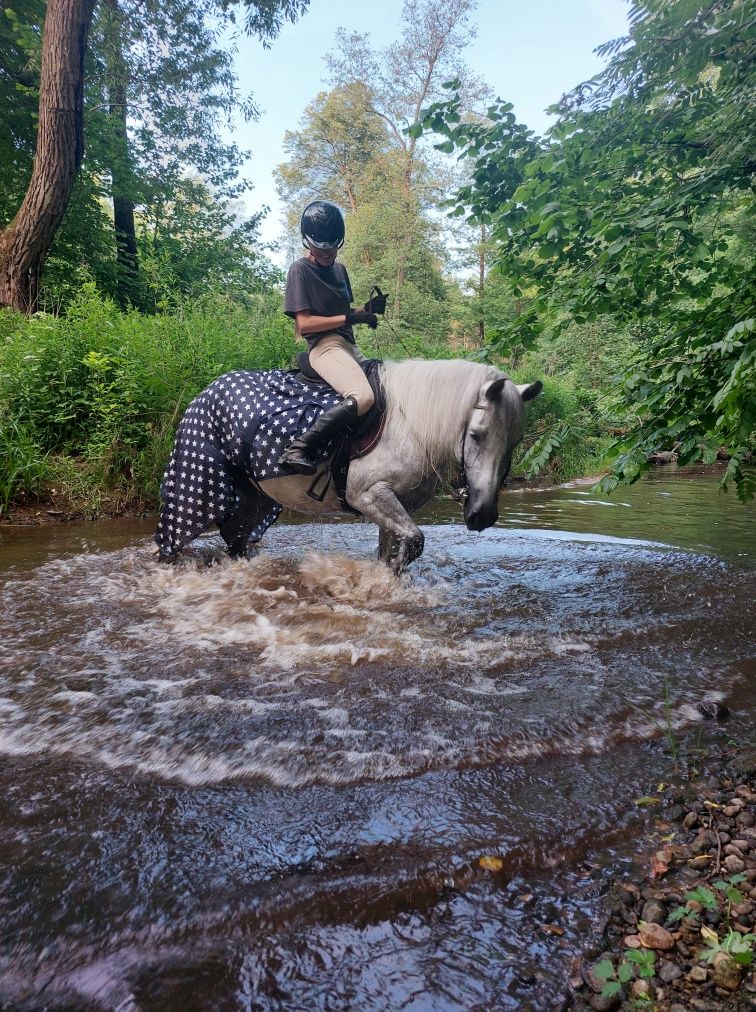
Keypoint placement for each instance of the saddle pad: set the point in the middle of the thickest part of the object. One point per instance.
(241, 422)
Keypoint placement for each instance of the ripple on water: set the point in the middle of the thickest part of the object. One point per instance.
(327, 668)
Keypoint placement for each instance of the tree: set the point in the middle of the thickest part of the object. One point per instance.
(59, 150)
(401, 80)
(25, 243)
(635, 206)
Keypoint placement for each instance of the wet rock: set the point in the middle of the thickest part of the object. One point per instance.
(698, 974)
(702, 843)
(653, 912)
(668, 972)
(734, 864)
(654, 936)
(690, 820)
(726, 971)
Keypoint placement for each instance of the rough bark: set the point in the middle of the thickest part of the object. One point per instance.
(24, 245)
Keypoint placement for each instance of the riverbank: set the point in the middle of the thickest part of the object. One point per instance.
(682, 936)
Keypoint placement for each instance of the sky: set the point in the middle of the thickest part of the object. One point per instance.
(529, 52)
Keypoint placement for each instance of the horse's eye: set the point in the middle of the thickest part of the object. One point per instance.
(476, 437)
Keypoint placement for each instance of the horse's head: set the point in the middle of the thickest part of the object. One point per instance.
(494, 429)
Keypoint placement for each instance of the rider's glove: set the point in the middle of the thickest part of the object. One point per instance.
(377, 303)
(361, 316)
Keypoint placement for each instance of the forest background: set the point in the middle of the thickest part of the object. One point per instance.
(612, 257)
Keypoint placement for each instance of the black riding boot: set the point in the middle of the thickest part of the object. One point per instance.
(340, 420)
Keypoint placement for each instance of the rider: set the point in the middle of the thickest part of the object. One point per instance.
(318, 298)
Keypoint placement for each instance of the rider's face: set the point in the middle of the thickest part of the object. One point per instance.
(322, 257)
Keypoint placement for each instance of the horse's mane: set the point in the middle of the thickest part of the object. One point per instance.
(430, 402)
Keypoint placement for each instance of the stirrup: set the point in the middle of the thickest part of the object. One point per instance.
(305, 465)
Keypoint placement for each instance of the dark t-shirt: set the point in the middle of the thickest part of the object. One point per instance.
(322, 291)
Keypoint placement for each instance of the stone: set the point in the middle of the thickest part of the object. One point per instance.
(745, 820)
(632, 941)
(734, 864)
(732, 810)
(702, 843)
(675, 813)
(726, 971)
(724, 838)
(743, 909)
(698, 974)
(640, 988)
(700, 861)
(668, 972)
(653, 912)
(654, 936)
(690, 820)
(677, 1008)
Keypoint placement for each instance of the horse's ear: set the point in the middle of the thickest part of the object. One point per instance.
(493, 390)
(529, 390)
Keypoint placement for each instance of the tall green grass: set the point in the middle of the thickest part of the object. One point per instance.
(91, 400)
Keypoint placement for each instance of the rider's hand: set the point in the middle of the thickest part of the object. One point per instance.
(362, 316)
(377, 304)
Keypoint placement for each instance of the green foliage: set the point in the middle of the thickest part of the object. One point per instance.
(635, 963)
(106, 389)
(735, 944)
(23, 465)
(638, 206)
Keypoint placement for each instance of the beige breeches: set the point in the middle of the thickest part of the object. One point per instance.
(336, 360)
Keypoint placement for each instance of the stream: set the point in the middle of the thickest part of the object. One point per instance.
(269, 783)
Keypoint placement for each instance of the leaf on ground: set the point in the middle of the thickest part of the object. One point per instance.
(647, 799)
(491, 863)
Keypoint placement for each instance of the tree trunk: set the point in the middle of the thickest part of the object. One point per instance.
(24, 245)
(122, 177)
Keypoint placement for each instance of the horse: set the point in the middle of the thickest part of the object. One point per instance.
(442, 418)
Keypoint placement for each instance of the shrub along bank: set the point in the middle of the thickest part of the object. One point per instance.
(89, 401)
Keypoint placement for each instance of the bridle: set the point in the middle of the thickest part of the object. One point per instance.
(460, 495)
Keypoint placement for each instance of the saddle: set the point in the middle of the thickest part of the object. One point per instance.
(366, 438)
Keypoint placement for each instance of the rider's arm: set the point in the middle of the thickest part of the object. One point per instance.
(308, 323)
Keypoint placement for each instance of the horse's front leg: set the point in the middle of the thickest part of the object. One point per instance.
(400, 540)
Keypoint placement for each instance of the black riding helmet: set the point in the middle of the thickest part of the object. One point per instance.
(322, 225)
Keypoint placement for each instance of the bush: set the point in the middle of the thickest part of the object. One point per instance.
(107, 388)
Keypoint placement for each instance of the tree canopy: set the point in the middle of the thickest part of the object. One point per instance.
(638, 205)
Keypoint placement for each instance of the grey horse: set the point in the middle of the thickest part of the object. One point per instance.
(444, 419)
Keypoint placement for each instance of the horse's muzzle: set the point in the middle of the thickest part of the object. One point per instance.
(481, 518)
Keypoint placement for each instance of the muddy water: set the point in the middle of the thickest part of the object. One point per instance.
(268, 784)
